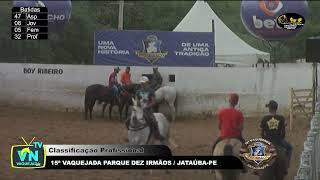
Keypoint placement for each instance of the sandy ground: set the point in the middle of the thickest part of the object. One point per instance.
(195, 137)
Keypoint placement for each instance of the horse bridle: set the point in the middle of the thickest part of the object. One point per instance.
(137, 128)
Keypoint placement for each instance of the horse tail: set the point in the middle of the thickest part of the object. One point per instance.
(228, 150)
(228, 174)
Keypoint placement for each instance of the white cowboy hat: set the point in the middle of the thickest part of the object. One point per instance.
(144, 79)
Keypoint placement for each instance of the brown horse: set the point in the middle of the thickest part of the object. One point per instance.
(228, 147)
(125, 99)
(96, 92)
(277, 171)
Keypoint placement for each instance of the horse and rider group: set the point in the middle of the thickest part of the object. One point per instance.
(143, 97)
(272, 126)
(121, 93)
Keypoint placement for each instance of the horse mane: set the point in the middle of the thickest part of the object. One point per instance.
(233, 142)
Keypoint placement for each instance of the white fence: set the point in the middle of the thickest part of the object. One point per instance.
(200, 90)
(309, 168)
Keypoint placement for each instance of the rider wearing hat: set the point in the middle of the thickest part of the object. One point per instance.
(156, 79)
(113, 81)
(146, 99)
(273, 128)
(230, 121)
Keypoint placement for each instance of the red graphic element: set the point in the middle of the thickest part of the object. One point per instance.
(270, 7)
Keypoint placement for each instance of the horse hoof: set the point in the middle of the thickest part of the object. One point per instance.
(174, 147)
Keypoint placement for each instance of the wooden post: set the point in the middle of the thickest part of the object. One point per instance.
(290, 107)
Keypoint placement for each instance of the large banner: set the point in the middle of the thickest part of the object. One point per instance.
(146, 48)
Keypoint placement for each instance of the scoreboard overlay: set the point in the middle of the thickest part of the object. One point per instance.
(29, 23)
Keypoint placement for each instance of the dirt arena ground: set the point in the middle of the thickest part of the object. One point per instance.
(194, 136)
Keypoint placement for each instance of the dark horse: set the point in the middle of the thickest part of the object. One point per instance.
(277, 171)
(97, 92)
(125, 100)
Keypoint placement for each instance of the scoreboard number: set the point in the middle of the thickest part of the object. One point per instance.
(17, 29)
(17, 16)
(17, 23)
(17, 36)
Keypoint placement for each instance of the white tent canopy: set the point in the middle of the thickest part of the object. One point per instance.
(228, 46)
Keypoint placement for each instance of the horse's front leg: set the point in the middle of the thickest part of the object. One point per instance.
(110, 109)
(172, 126)
(127, 108)
(173, 112)
(103, 109)
(120, 107)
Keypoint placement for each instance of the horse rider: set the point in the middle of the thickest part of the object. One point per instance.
(146, 98)
(156, 79)
(126, 77)
(273, 129)
(113, 81)
(230, 121)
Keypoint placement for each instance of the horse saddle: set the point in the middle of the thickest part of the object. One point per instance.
(125, 94)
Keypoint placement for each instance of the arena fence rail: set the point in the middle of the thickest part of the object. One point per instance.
(309, 168)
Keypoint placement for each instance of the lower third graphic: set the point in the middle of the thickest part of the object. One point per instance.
(30, 155)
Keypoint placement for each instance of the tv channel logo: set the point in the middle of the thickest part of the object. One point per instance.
(28, 156)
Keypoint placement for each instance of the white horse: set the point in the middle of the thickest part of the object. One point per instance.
(168, 95)
(139, 132)
(228, 147)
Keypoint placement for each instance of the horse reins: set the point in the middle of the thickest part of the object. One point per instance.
(138, 128)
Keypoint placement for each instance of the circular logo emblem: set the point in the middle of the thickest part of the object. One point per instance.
(290, 21)
(260, 17)
(258, 153)
(59, 12)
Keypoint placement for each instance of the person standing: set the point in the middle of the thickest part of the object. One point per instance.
(156, 79)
